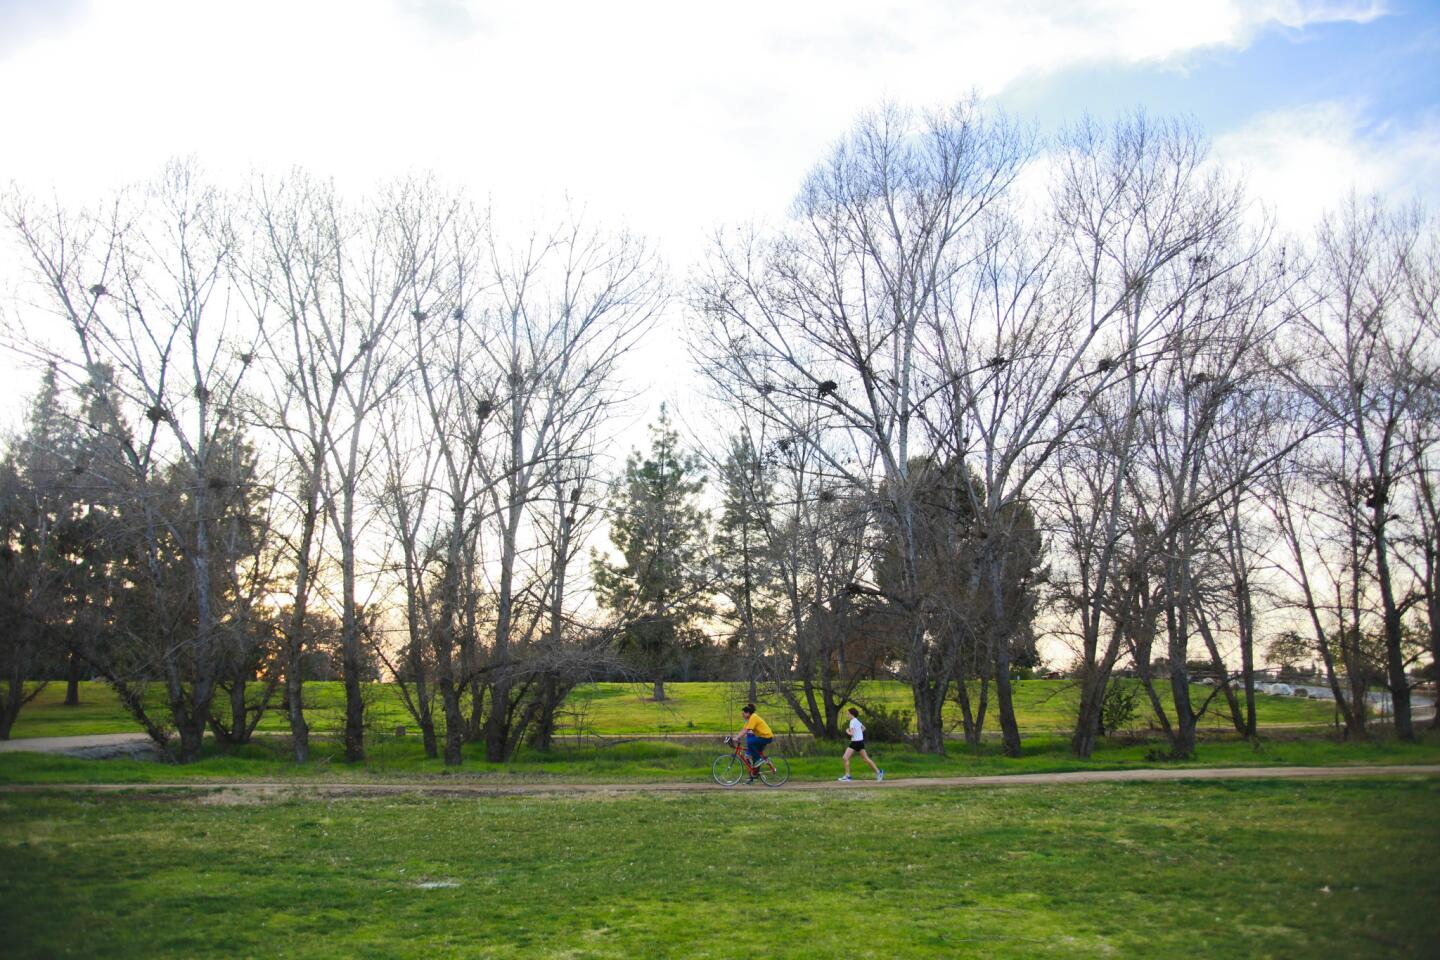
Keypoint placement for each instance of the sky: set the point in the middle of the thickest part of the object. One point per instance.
(675, 118)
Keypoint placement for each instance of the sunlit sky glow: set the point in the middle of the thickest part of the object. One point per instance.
(674, 118)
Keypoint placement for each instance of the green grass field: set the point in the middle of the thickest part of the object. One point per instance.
(616, 709)
(1195, 870)
(390, 759)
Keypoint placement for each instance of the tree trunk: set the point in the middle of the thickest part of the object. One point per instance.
(1354, 719)
(72, 681)
(929, 713)
(659, 691)
(1247, 677)
(1087, 721)
(1182, 740)
(1394, 651)
(1245, 611)
(1094, 683)
(497, 724)
(350, 662)
(238, 730)
(1432, 607)
(295, 629)
(545, 716)
(295, 710)
(1237, 717)
(475, 725)
(350, 659)
(454, 721)
(354, 702)
(1247, 653)
(967, 716)
(1142, 670)
(12, 698)
(1009, 727)
(811, 712)
(973, 720)
(833, 706)
(191, 728)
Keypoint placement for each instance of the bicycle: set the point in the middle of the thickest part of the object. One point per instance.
(728, 768)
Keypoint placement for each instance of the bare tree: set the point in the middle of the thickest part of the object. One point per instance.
(832, 637)
(568, 652)
(141, 288)
(411, 466)
(561, 310)
(336, 287)
(834, 311)
(1268, 425)
(1044, 324)
(1327, 572)
(292, 290)
(1423, 550)
(1367, 361)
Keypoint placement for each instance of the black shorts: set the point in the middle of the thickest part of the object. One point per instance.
(857, 745)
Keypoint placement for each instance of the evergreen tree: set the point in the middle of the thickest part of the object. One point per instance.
(950, 590)
(660, 589)
(38, 550)
(744, 558)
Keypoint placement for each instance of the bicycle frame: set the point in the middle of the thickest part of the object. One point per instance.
(751, 768)
(772, 771)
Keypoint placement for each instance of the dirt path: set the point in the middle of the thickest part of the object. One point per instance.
(259, 790)
(94, 745)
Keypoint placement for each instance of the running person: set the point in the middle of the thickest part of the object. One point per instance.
(757, 734)
(857, 745)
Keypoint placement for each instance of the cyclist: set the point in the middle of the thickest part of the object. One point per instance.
(757, 734)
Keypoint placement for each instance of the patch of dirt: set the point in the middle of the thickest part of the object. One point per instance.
(240, 796)
(146, 750)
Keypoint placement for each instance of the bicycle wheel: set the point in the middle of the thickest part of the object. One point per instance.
(727, 770)
(774, 771)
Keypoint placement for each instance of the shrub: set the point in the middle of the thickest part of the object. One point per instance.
(886, 726)
(1119, 707)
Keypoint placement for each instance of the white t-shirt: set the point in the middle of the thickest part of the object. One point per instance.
(857, 729)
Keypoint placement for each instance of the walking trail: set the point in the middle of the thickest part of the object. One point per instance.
(277, 789)
(90, 745)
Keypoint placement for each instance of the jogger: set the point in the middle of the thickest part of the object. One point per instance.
(857, 745)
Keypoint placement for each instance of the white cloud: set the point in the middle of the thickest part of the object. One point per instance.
(1302, 162)
(673, 114)
(671, 117)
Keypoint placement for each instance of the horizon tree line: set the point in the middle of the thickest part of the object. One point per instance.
(956, 413)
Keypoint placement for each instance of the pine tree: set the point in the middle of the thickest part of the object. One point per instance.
(660, 589)
(37, 550)
(743, 556)
(949, 589)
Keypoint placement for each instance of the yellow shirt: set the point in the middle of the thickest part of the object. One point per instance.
(760, 727)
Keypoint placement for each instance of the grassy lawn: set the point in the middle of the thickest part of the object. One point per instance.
(671, 761)
(619, 709)
(1246, 869)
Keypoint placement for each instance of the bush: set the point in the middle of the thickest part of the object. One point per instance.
(1119, 707)
(886, 726)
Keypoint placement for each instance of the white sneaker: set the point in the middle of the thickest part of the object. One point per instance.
(846, 777)
(879, 776)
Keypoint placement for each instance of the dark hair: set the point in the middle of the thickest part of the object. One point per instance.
(854, 712)
(748, 708)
